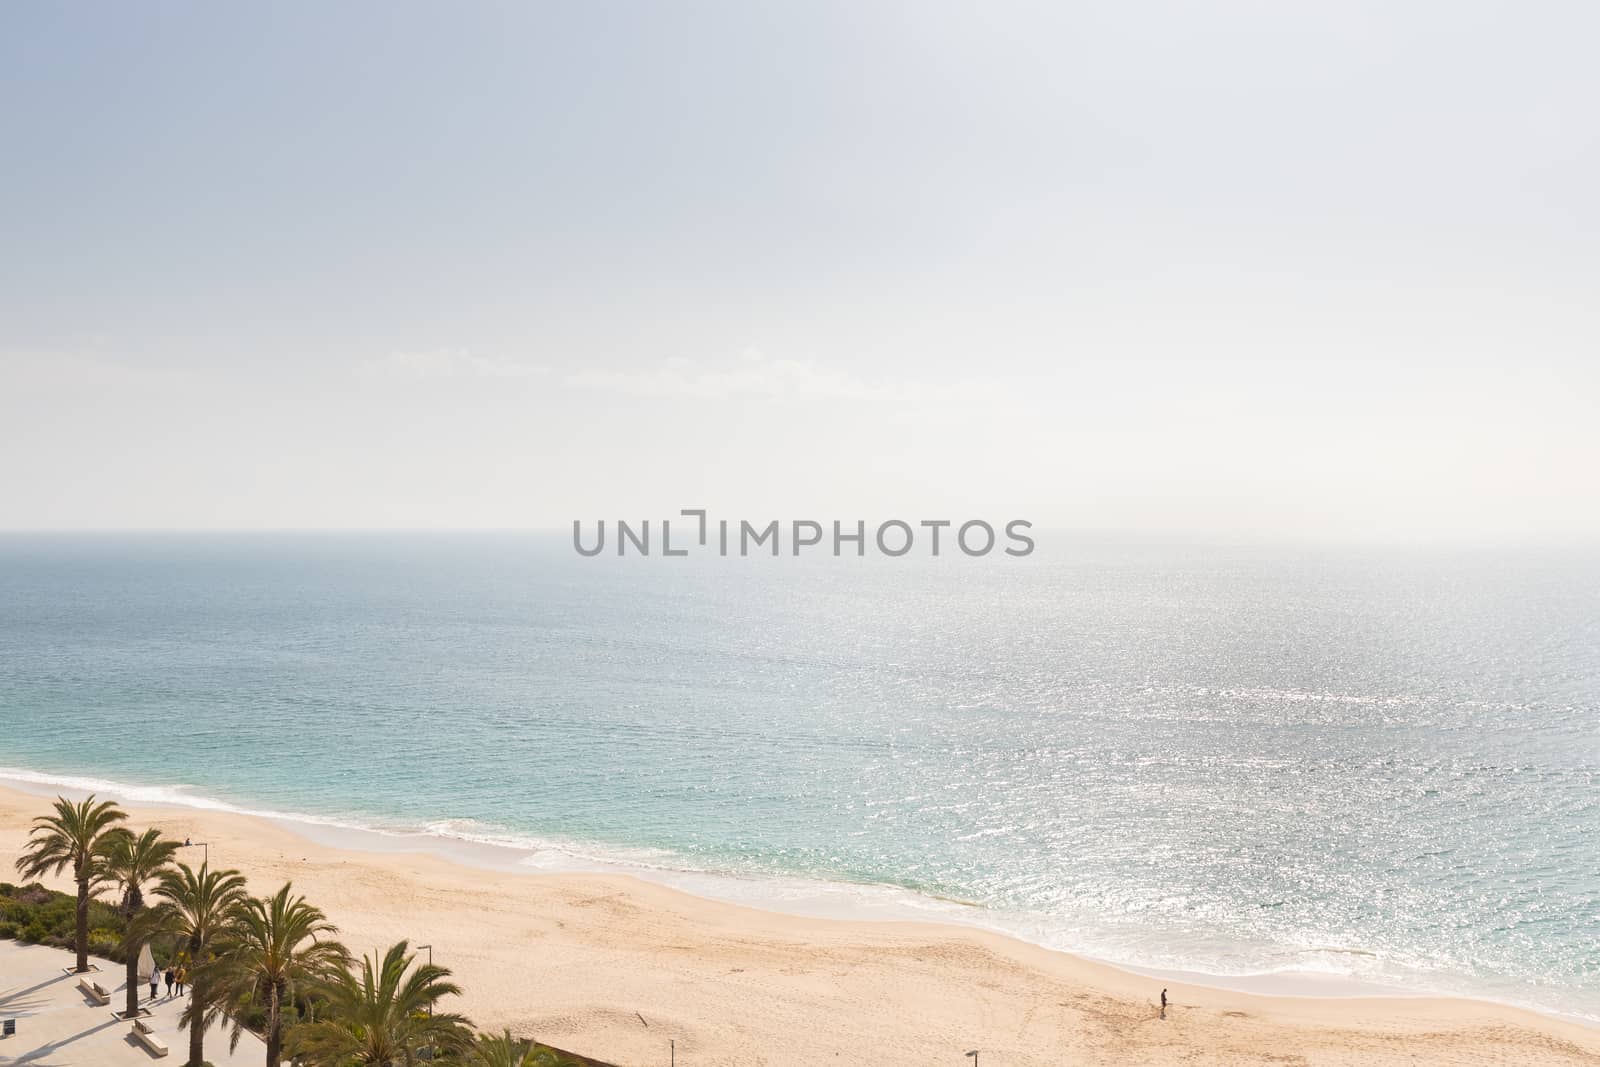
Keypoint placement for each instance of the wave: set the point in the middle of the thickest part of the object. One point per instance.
(511, 848)
(1305, 970)
(176, 795)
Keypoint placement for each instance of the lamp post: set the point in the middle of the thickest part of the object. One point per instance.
(430, 1003)
(430, 964)
(974, 1055)
(205, 850)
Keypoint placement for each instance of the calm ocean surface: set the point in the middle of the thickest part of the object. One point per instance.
(1385, 766)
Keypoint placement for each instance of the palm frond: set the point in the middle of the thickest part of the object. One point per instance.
(380, 1013)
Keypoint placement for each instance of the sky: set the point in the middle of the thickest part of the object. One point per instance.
(1239, 270)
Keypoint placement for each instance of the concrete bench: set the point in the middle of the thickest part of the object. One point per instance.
(146, 1036)
(94, 991)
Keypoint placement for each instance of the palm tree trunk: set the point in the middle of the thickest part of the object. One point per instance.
(81, 938)
(197, 1021)
(197, 1024)
(133, 983)
(274, 1028)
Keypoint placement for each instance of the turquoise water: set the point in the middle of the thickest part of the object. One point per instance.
(1379, 765)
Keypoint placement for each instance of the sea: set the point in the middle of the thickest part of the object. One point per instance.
(1363, 769)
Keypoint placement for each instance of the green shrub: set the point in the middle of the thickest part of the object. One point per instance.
(41, 916)
(103, 942)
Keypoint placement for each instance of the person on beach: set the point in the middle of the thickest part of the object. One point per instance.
(155, 977)
(171, 977)
(183, 976)
(1163, 1003)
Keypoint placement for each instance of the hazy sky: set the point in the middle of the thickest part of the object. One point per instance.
(1238, 269)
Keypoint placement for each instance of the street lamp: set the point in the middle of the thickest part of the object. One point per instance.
(430, 1003)
(974, 1055)
(430, 964)
(205, 847)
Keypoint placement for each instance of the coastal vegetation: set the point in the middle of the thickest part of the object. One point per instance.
(271, 965)
(128, 863)
(73, 836)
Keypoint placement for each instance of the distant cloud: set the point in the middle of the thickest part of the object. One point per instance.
(753, 374)
(21, 369)
(446, 363)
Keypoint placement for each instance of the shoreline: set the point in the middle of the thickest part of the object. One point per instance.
(794, 896)
(828, 901)
(590, 955)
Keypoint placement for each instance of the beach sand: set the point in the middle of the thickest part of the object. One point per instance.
(615, 967)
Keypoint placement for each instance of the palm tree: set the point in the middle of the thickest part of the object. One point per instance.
(503, 1050)
(382, 1015)
(197, 907)
(130, 862)
(499, 1050)
(70, 838)
(273, 947)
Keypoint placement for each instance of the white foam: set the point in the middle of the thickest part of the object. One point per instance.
(171, 796)
(1340, 972)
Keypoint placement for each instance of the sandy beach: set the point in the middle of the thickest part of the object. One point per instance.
(616, 967)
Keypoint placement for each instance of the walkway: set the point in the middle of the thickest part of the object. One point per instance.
(57, 1026)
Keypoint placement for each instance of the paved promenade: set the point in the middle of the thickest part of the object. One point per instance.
(57, 1026)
